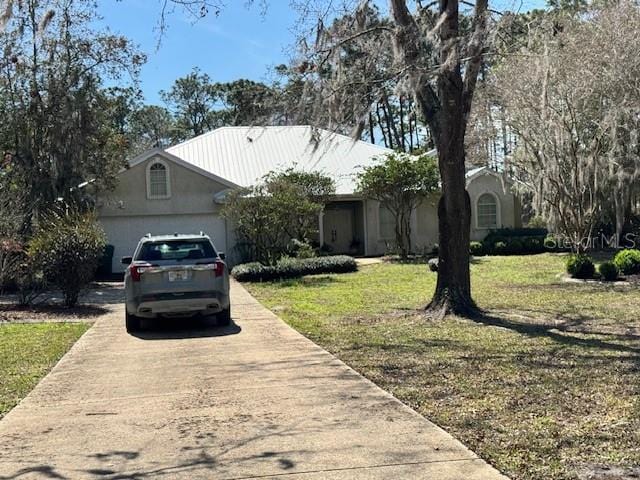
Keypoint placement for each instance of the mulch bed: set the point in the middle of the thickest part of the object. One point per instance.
(48, 313)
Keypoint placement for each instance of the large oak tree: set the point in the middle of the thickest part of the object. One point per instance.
(438, 55)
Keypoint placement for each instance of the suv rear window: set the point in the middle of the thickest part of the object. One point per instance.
(176, 250)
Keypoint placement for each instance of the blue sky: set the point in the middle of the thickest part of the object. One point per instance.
(240, 43)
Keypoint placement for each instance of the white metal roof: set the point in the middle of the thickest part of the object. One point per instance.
(243, 155)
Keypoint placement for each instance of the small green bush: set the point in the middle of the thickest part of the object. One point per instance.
(476, 249)
(67, 249)
(628, 261)
(301, 249)
(289, 267)
(500, 248)
(580, 266)
(608, 271)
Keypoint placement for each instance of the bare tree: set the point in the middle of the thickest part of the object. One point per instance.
(575, 114)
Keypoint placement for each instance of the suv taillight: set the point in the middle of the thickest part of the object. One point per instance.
(218, 268)
(137, 271)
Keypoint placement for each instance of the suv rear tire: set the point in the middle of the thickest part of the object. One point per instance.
(224, 317)
(132, 322)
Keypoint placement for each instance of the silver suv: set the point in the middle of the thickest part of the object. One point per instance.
(175, 276)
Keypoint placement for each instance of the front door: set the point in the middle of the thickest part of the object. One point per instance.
(338, 229)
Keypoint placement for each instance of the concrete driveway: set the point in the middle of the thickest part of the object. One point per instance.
(252, 400)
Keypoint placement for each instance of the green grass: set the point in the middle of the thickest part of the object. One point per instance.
(547, 386)
(28, 352)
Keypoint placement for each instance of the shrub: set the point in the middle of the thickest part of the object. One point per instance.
(67, 249)
(515, 246)
(11, 253)
(500, 248)
(518, 241)
(302, 249)
(502, 233)
(476, 249)
(628, 261)
(289, 267)
(580, 266)
(30, 281)
(550, 243)
(105, 264)
(608, 271)
(534, 244)
(283, 205)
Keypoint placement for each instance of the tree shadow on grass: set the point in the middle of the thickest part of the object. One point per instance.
(565, 334)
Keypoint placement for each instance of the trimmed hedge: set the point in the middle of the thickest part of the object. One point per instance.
(293, 267)
(580, 266)
(515, 241)
(628, 261)
(608, 271)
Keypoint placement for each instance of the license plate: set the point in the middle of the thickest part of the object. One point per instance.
(178, 276)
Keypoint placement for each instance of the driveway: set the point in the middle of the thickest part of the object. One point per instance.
(252, 400)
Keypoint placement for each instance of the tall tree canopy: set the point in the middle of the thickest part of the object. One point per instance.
(58, 125)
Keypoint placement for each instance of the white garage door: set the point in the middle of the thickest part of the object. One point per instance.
(125, 232)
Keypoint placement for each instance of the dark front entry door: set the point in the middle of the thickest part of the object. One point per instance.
(338, 229)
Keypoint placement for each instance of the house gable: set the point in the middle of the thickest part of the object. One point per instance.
(489, 187)
(190, 190)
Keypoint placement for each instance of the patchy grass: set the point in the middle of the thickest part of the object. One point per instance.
(546, 386)
(27, 353)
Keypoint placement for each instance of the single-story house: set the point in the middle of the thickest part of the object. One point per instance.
(182, 189)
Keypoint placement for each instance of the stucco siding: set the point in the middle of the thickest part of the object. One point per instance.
(508, 209)
(191, 193)
(424, 225)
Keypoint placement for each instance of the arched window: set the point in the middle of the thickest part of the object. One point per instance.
(387, 223)
(158, 185)
(487, 211)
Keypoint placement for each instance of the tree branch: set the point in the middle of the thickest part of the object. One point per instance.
(474, 53)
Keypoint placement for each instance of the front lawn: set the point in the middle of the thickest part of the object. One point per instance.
(545, 387)
(28, 352)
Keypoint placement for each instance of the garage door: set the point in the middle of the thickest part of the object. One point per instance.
(125, 232)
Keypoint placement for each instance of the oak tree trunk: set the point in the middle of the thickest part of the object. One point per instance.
(453, 288)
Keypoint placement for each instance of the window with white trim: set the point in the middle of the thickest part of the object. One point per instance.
(158, 180)
(387, 223)
(487, 211)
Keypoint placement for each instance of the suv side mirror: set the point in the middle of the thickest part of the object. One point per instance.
(126, 260)
(222, 255)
